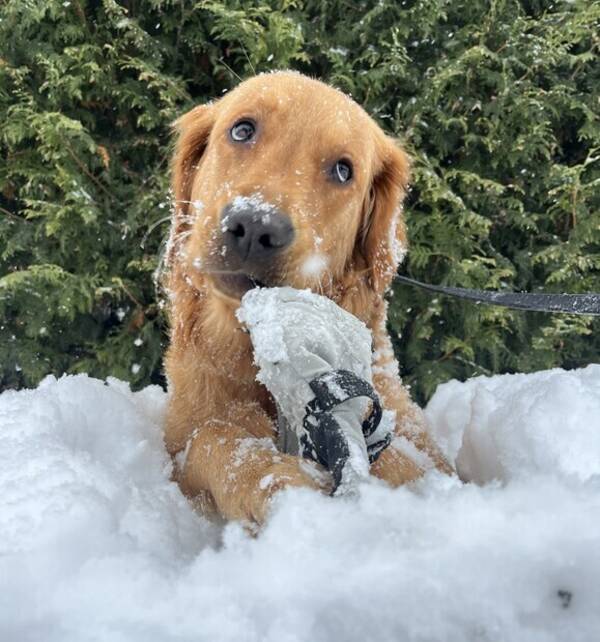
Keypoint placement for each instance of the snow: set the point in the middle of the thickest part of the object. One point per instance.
(96, 543)
(398, 248)
(254, 203)
(521, 425)
(314, 265)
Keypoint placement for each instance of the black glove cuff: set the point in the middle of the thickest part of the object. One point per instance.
(337, 386)
(323, 440)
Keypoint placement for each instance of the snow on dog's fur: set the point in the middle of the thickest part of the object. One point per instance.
(219, 415)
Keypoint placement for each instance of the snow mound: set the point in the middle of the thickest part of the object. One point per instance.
(96, 543)
(512, 426)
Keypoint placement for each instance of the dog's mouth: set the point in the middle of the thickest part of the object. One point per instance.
(236, 284)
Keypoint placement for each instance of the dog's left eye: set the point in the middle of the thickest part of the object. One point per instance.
(341, 172)
(243, 131)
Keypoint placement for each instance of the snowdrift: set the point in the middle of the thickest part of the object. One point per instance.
(97, 544)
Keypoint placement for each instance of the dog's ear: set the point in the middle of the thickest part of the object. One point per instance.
(193, 131)
(382, 241)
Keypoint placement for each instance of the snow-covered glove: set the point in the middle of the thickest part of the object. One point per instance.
(315, 359)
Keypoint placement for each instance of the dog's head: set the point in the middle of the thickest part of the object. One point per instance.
(286, 181)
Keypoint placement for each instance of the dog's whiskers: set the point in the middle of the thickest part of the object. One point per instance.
(248, 59)
(152, 228)
(222, 61)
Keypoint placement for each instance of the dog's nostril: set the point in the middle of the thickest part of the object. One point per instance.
(265, 240)
(239, 230)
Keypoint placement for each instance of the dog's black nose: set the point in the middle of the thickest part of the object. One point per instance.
(255, 234)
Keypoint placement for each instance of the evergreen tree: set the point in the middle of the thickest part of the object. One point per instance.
(496, 101)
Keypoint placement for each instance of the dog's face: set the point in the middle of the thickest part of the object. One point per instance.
(285, 181)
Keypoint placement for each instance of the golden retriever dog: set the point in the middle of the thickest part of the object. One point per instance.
(332, 183)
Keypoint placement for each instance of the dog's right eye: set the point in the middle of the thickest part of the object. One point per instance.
(242, 132)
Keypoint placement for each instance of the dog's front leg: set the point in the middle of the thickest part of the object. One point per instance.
(239, 470)
(408, 456)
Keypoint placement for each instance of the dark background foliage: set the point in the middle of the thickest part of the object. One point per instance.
(497, 102)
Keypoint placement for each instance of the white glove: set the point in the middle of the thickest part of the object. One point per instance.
(301, 338)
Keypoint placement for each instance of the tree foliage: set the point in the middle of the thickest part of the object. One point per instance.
(497, 102)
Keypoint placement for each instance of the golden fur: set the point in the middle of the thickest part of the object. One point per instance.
(218, 413)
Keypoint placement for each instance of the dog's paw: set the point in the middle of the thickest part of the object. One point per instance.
(290, 472)
(397, 468)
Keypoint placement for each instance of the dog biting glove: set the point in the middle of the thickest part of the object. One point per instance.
(315, 359)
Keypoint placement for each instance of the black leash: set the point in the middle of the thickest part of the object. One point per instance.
(566, 303)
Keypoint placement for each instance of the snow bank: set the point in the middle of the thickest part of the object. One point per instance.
(521, 425)
(97, 544)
